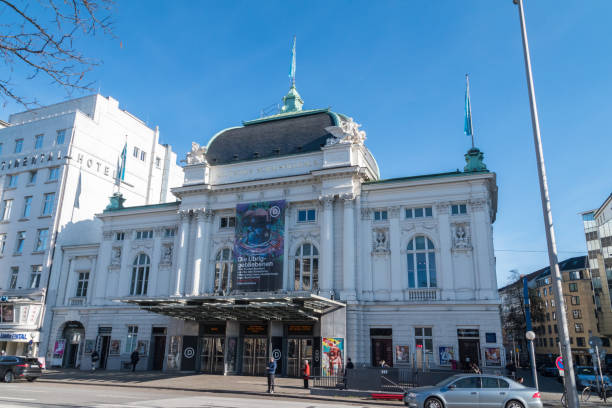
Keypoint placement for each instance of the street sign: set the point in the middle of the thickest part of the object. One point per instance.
(559, 363)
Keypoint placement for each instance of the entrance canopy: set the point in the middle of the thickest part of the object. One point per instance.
(245, 306)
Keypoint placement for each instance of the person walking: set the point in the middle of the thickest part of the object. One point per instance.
(134, 357)
(271, 371)
(94, 360)
(350, 365)
(306, 373)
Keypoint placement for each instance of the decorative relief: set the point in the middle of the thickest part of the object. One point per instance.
(184, 215)
(166, 256)
(116, 256)
(347, 132)
(197, 155)
(462, 240)
(366, 213)
(327, 200)
(443, 208)
(348, 198)
(142, 245)
(380, 241)
(107, 235)
(310, 236)
(394, 212)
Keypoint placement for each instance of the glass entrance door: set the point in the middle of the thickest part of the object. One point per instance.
(212, 361)
(254, 353)
(298, 350)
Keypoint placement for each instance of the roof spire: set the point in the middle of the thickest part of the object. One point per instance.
(292, 102)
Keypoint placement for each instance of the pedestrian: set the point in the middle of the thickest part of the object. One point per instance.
(306, 373)
(271, 371)
(474, 368)
(520, 380)
(383, 364)
(134, 359)
(350, 365)
(94, 360)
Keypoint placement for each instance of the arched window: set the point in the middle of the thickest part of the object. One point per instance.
(421, 263)
(306, 268)
(224, 267)
(140, 275)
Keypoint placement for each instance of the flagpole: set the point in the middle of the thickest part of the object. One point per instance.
(293, 63)
(570, 380)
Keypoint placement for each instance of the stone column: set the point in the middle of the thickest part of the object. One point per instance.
(198, 251)
(348, 248)
(182, 253)
(327, 245)
(397, 274)
(366, 247)
(205, 267)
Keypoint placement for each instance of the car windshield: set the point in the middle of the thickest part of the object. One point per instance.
(586, 371)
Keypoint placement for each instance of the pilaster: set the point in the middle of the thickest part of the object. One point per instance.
(397, 274)
(182, 253)
(327, 245)
(348, 248)
(200, 216)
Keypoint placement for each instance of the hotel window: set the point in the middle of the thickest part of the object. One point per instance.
(143, 155)
(7, 206)
(53, 173)
(140, 275)
(131, 342)
(7, 313)
(224, 265)
(21, 236)
(157, 162)
(457, 209)
(307, 215)
(575, 300)
(2, 243)
(136, 152)
(380, 215)
(18, 145)
(32, 179)
(421, 263)
(27, 206)
(147, 234)
(12, 180)
(423, 338)
(38, 142)
(306, 271)
(60, 136)
(82, 284)
(227, 222)
(419, 212)
(35, 276)
(573, 287)
(119, 236)
(14, 276)
(578, 328)
(41, 240)
(48, 204)
(169, 232)
(577, 314)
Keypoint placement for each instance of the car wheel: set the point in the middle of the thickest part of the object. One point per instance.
(514, 404)
(433, 403)
(31, 379)
(8, 377)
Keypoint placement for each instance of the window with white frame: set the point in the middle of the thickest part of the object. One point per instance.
(227, 222)
(53, 173)
(140, 275)
(38, 142)
(157, 162)
(457, 209)
(60, 136)
(136, 152)
(224, 267)
(27, 206)
(12, 180)
(577, 314)
(419, 212)
(146, 234)
(380, 215)
(131, 342)
(421, 258)
(42, 238)
(423, 338)
(143, 155)
(35, 276)
(21, 236)
(169, 232)
(82, 284)
(32, 178)
(307, 215)
(119, 236)
(7, 206)
(306, 269)
(578, 327)
(2, 243)
(14, 277)
(18, 145)
(48, 203)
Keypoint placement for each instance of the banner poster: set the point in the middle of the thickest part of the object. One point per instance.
(115, 347)
(402, 354)
(492, 357)
(332, 364)
(258, 246)
(446, 354)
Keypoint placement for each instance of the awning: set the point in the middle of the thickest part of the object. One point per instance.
(247, 306)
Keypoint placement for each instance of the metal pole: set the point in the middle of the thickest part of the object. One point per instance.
(570, 380)
(600, 376)
(534, 371)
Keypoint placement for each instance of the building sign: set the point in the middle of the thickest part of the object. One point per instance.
(299, 329)
(256, 329)
(468, 333)
(259, 245)
(216, 329)
(332, 364)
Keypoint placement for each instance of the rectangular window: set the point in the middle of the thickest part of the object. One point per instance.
(423, 338)
(419, 212)
(549, 329)
(38, 142)
(60, 136)
(136, 152)
(575, 300)
(578, 328)
(42, 238)
(53, 173)
(554, 316)
(32, 178)
(574, 275)
(21, 236)
(307, 215)
(580, 341)
(35, 276)
(169, 232)
(7, 206)
(227, 222)
(573, 287)
(157, 162)
(12, 180)
(82, 284)
(577, 314)
(380, 215)
(119, 236)
(7, 313)
(2, 243)
(18, 145)
(143, 155)
(0, 148)
(27, 206)
(14, 276)
(48, 204)
(457, 209)
(131, 343)
(147, 234)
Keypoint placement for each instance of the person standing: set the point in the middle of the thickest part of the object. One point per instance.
(134, 359)
(306, 373)
(94, 360)
(271, 371)
(350, 365)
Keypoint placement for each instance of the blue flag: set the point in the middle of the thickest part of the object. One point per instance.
(121, 165)
(467, 126)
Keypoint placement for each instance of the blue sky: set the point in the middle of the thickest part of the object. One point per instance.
(398, 68)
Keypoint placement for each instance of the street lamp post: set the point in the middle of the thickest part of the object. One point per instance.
(530, 336)
(570, 383)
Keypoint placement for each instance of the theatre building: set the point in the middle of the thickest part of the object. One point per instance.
(284, 241)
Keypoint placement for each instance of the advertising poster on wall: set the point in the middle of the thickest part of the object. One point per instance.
(333, 349)
(58, 352)
(89, 346)
(492, 356)
(402, 354)
(446, 354)
(143, 347)
(259, 245)
(115, 347)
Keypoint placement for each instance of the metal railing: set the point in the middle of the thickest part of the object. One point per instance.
(333, 382)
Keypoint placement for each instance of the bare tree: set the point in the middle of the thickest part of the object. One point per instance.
(40, 38)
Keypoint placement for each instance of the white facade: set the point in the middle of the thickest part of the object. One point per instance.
(411, 259)
(58, 165)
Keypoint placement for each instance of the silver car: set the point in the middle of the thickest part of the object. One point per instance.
(472, 391)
